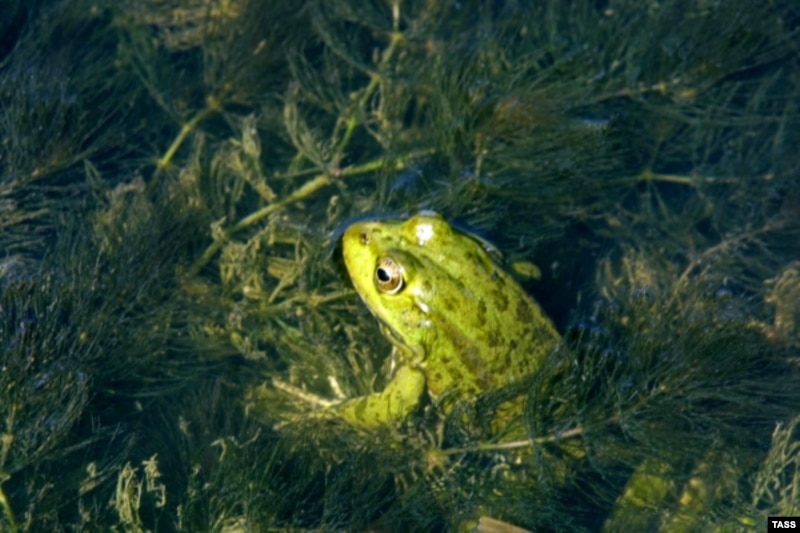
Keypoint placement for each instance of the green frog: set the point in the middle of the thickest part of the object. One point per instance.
(459, 324)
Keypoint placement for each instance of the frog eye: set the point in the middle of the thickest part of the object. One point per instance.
(389, 276)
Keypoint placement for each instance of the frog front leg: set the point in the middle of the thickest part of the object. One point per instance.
(396, 401)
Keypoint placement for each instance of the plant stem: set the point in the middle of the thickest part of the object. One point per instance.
(574, 432)
(6, 505)
(351, 121)
(213, 106)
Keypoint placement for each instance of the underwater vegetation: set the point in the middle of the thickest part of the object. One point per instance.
(175, 176)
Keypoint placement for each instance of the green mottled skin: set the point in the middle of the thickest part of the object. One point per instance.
(459, 324)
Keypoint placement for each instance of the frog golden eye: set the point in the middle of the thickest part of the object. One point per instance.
(389, 276)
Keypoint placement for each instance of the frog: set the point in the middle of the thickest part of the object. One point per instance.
(460, 325)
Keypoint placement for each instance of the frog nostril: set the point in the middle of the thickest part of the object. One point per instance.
(364, 238)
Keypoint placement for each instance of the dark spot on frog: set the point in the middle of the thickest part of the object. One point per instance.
(473, 361)
(500, 300)
(494, 339)
(481, 311)
(478, 266)
(449, 304)
(484, 379)
(524, 314)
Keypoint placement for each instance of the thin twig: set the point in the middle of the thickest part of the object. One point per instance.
(213, 107)
(6, 505)
(513, 445)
